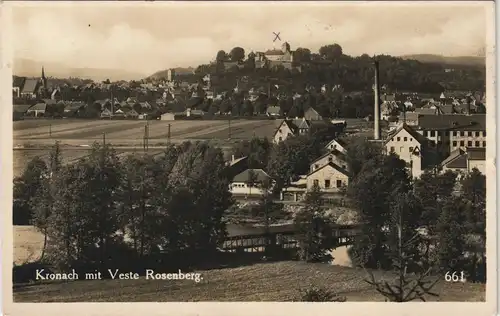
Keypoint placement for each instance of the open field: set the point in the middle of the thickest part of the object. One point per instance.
(258, 282)
(133, 131)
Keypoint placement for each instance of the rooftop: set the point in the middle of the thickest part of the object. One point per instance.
(476, 122)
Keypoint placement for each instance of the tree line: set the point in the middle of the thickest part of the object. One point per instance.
(105, 211)
(332, 67)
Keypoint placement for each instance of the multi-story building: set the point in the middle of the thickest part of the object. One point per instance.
(449, 132)
(437, 139)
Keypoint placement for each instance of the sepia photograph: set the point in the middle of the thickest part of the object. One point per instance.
(249, 152)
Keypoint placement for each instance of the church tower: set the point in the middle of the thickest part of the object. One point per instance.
(44, 79)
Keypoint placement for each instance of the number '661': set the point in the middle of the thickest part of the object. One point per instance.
(454, 277)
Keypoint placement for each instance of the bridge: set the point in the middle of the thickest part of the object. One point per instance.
(284, 237)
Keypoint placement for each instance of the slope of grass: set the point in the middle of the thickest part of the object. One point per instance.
(259, 282)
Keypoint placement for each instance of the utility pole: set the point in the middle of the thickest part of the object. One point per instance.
(229, 128)
(50, 130)
(103, 139)
(168, 135)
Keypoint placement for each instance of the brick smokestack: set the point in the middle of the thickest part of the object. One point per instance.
(376, 108)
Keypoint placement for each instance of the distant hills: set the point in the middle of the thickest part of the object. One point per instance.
(163, 73)
(438, 59)
(31, 68)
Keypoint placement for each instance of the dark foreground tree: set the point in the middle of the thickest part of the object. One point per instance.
(412, 282)
(314, 228)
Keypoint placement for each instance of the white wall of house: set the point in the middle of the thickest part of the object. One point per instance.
(328, 178)
(403, 145)
(282, 133)
(479, 164)
(335, 145)
(243, 189)
(326, 160)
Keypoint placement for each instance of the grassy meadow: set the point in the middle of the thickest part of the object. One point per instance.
(267, 281)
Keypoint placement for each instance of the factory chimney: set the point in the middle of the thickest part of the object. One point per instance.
(376, 109)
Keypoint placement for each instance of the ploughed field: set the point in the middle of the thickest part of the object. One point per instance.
(127, 132)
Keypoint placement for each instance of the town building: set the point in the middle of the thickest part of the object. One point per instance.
(465, 160)
(440, 141)
(249, 182)
(337, 144)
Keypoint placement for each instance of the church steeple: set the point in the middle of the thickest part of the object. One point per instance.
(43, 73)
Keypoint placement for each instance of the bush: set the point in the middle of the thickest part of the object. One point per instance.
(316, 294)
(26, 272)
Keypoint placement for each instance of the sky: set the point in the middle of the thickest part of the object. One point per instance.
(145, 37)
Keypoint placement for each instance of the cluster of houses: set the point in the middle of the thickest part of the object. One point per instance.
(455, 142)
(396, 111)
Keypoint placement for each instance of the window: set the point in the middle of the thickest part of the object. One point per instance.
(330, 159)
(469, 143)
(484, 133)
(281, 139)
(454, 143)
(327, 184)
(316, 182)
(411, 139)
(339, 183)
(344, 166)
(334, 146)
(411, 149)
(476, 143)
(405, 139)
(462, 133)
(462, 143)
(484, 143)
(454, 133)
(392, 149)
(477, 134)
(399, 139)
(316, 166)
(433, 133)
(279, 130)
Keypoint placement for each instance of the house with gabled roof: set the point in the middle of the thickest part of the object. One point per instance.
(242, 184)
(337, 144)
(72, 109)
(465, 160)
(330, 178)
(30, 88)
(37, 110)
(407, 144)
(336, 157)
(295, 127)
(312, 115)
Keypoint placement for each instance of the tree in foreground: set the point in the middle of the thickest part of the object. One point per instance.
(319, 294)
(314, 228)
(26, 188)
(372, 191)
(268, 212)
(43, 201)
(411, 282)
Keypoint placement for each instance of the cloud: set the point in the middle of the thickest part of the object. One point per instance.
(148, 38)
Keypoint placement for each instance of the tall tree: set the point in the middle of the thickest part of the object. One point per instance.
(314, 228)
(405, 256)
(26, 187)
(43, 201)
(237, 54)
(221, 56)
(373, 190)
